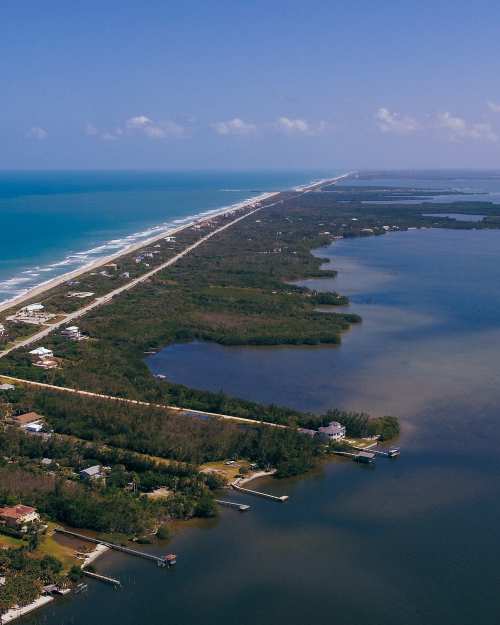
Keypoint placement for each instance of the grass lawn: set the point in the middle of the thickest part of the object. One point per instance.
(10, 542)
(229, 471)
(49, 545)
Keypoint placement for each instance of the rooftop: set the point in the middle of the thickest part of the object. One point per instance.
(27, 417)
(16, 512)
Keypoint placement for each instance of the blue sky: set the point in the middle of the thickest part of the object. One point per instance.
(249, 84)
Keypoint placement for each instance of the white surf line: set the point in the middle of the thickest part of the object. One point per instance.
(99, 262)
(109, 296)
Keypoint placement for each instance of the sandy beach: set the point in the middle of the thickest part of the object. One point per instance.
(94, 554)
(71, 275)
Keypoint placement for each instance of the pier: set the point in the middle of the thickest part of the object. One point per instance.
(160, 560)
(364, 457)
(242, 507)
(257, 493)
(393, 452)
(102, 578)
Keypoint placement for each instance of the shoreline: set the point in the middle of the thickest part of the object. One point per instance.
(187, 222)
(99, 262)
(254, 476)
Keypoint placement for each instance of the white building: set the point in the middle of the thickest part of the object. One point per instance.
(92, 473)
(32, 309)
(334, 431)
(34, 428)
(42, 352)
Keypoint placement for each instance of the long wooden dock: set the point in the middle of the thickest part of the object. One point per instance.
(242, 507)
(257, 493)
(160, 560)
(102, 578)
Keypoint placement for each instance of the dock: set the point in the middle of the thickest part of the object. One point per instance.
(364, 457)
(393, 452)
(102, 578)
(160, 560)
(242, 507)
(257, 493)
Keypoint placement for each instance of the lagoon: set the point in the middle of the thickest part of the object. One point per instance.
(412, 541)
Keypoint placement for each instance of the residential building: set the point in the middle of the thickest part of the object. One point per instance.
(35, 428)
(334, 431)
(92, 473)
(18, 517)
(42, 352)
(28, 417)
(32, 309)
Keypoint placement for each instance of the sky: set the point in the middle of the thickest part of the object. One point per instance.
(239, 84)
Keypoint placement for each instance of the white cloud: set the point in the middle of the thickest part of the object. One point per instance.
(293, 125)
(389, 121)
(37, 133)
(458, 129)
(91, 130)
(154, 130)
(235, 126)
(300, 126)
(140, 121)
(493, 106)
(108, 136)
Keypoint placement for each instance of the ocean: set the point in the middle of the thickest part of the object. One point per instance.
(55, 222)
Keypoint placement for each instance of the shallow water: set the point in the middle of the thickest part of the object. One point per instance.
(412, 541)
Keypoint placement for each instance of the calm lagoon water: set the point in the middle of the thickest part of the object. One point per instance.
(412, 541)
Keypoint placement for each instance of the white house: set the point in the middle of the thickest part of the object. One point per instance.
(92, 473)
(34, 428)
(334, 431)
(32, 309)
(42, 352)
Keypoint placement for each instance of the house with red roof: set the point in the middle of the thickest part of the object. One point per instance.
(18, 517)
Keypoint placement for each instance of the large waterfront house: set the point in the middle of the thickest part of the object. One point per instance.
(18, 517)
(334, 431)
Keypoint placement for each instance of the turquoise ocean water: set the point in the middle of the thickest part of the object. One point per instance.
(54, 222)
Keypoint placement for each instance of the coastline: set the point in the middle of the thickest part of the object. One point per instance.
(168, 231)
(15, 613)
